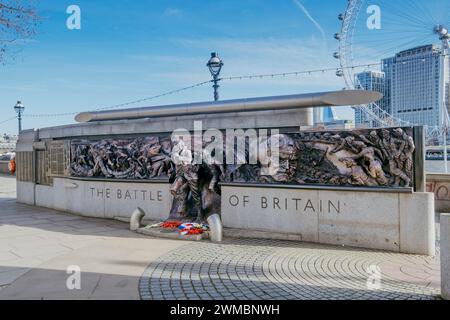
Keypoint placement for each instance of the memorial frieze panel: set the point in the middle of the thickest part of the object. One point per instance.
(356, 158)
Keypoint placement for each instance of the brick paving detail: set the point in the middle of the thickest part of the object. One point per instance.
(37, 244)
(279, 270)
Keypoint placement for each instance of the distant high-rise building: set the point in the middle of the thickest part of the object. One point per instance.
(7, 143)
(324, 115)
(388, 69)
(374, 81)
(415, 85)
(328, 115)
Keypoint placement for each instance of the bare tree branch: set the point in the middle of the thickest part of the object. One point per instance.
(18, 21)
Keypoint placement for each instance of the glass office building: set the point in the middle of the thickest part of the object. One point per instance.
(323, 115)
(416, 85)
(413, 86)
(374, 81)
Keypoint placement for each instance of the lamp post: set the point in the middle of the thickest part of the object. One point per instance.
(19, 108)
(215, 65)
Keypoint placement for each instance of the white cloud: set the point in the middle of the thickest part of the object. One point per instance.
(173, 12)
(310, 17)
(264, 55)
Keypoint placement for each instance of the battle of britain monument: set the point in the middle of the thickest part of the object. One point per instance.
(361, 188)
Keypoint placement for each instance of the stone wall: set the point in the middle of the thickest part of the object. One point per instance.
(4, 167)
(392, 221)
(439, 185)
(445, 256)
(103, 199)
(398, 222)
(304, 199)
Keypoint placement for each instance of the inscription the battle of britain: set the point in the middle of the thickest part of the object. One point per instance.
(285, 204)
(126, 194)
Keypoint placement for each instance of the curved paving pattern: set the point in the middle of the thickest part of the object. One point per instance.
(265, 269)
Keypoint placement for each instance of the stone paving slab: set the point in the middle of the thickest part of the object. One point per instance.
(277, 270)
(37, 245)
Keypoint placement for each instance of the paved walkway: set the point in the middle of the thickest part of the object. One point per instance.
(37, 245)
(276, 270)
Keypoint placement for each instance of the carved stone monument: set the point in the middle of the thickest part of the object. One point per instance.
(362, 188)
(359, 158)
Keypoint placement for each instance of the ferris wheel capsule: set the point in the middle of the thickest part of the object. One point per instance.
(419, 25)
(442, 32)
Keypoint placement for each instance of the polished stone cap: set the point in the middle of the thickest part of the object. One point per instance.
(298, 101)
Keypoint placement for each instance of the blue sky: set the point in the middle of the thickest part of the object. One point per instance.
(130, 49)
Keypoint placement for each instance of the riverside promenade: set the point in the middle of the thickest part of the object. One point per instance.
(38, 245)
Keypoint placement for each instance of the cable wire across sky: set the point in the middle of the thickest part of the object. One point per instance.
(243, 77)
(7, 120)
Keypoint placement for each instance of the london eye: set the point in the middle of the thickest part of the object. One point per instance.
(375, 30)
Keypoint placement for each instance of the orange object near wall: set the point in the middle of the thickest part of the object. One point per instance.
(12, 166)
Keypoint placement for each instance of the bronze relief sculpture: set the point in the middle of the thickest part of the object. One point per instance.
(356, 158)
(140, 158)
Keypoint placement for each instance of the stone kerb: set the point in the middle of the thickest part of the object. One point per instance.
(445, 255)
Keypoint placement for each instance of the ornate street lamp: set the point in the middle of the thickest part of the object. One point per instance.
(215, 65)
(19, 108)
